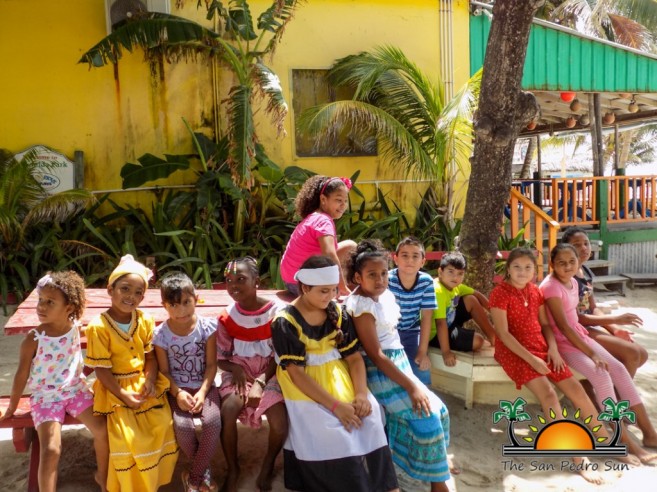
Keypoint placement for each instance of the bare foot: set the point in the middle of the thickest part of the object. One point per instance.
(650, 442)
(584, 468)
(454, 469)
(230, 485)
(630, 459)
(103, 486)
(649, 459)
(263, 482)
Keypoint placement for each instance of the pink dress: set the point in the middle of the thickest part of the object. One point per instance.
(304, 243)
(244, 338)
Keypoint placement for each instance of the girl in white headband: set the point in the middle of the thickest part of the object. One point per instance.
(322, 376)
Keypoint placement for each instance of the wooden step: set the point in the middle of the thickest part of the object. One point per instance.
(611, 282)
(634, 279)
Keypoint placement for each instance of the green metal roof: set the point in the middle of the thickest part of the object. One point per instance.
(560, 59)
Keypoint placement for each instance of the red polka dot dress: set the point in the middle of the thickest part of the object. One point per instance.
(521, 306)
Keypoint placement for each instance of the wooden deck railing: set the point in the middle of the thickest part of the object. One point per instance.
(584, 200)
(525, 213)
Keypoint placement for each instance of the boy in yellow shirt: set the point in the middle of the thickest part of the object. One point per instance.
(457, 304)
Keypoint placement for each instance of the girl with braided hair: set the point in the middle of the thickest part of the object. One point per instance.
(416, 419)
(248, 388)
(321, 201)
(336, 440)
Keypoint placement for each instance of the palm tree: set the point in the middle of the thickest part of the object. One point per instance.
(24, 204)
(513, 412)
(418, 132)
(241, 46)
(615, 412)
(628, 22)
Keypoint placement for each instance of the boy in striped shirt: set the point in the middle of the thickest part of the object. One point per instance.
(416, 297)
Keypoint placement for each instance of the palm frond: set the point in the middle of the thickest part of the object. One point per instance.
(630, 33)
(398, 147)
(59, 206)
(275, 20)
(241, 132)
(642, 11)
(269, 86)
(147, 32)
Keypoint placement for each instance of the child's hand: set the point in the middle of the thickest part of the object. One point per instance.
(362, 405)
(255, 395)
(199, 400)
(131, 399)
(147, 390)
(239, 378)
(420, 402)
(629, 319)
(8, 413)
(185, 401)
(424, 363)
(554, 359)
(599, 362)
(624, 334)
(539, 365)
(449, 359)
(346, 413)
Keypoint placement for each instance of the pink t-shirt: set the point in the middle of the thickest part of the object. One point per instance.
(551, 287)
(304, 243)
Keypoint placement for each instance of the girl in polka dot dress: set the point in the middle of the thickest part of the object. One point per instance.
(525, 346)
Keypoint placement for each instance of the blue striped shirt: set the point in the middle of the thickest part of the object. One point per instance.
(411, 302)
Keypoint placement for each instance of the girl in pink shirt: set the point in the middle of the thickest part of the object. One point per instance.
(606, 374)
(321, 201)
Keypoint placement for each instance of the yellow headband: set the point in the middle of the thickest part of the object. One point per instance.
(129, 265)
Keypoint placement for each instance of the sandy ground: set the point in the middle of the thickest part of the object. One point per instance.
(476, 442)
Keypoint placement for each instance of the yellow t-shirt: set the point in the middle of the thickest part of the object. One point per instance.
(447, 301)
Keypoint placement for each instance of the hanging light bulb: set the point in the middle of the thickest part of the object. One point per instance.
(633, 107)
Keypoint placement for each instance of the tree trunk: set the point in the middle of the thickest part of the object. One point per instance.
(526, 171)
(499, 119)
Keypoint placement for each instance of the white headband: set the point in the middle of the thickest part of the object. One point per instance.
(318, 276)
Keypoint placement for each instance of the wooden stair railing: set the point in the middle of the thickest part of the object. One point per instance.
(523, 211)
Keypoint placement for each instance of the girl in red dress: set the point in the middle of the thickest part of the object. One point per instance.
(526, 349)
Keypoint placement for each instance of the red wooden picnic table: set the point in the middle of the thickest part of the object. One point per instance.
(210, 303)
(25, 318)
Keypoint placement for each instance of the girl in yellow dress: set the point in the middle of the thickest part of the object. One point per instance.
(129, 390)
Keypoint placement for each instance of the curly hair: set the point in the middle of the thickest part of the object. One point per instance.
(307, 200)
(367, 249)
(71, 285)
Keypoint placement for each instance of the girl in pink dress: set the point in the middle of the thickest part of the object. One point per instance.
(320, 201)
(249, 387)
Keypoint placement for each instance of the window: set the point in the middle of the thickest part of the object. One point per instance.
(311, 88)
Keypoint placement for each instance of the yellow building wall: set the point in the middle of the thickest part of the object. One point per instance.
(116, 114)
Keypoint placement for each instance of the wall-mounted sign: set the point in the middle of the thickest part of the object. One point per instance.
(55, 171)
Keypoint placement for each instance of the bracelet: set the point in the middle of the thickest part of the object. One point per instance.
(335, 405)
(260, 382)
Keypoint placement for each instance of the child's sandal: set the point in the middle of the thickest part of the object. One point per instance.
(188, 487)
(209, 485)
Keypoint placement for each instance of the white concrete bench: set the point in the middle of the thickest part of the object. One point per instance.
(476, 378)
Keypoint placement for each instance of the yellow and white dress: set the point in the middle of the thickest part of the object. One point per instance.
(320, 454)
(143, 448)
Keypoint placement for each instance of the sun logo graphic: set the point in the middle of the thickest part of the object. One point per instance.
(562, 436)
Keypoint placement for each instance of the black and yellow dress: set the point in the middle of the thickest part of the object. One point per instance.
(320, 454)
(143, 449)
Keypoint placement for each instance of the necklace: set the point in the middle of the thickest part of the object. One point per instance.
(526, 301)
